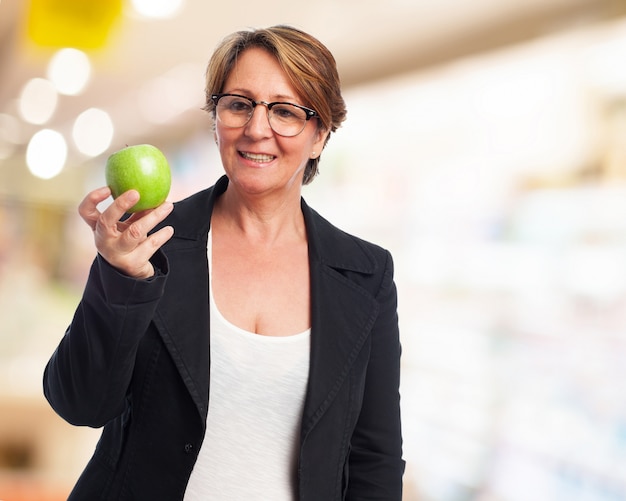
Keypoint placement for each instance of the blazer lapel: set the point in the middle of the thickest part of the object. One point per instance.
(183, 314)
(342, 312)
(183, 321)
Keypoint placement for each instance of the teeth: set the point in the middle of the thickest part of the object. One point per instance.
(257, 157)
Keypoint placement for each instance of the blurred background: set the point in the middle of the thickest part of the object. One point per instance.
(485, 146)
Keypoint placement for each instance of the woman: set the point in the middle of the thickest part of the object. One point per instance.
(237, 345)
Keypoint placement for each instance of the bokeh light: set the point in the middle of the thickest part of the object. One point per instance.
(157, 8)
(38, 101)
(46, 154)
(69, 70)
(93, 132)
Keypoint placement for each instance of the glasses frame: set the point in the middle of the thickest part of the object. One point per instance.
(309, 112)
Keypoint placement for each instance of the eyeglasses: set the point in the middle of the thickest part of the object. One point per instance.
(285, 119)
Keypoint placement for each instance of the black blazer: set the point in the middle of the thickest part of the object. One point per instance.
(135, 360)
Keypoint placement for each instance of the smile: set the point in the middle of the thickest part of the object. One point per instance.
(257, 157)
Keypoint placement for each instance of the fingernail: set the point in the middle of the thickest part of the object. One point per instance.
(167, 206)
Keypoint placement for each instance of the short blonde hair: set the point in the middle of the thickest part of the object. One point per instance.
(309, 65)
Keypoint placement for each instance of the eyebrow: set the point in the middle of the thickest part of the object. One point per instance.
(274, 98)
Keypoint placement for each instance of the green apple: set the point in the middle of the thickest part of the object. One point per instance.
(141, 167)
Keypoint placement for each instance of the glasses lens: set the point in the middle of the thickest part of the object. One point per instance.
(234, 111)
(287, 119)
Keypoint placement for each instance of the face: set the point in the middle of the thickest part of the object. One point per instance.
(255, 158)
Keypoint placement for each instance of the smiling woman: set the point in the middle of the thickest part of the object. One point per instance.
(319, 84)
(249, 139)
(244, 296)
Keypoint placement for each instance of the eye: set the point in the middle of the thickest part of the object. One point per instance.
(238, 105)
(288, 112)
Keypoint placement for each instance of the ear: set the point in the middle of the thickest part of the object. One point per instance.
(320, 140)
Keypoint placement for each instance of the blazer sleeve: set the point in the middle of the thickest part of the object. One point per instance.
(87, 377)
(376, 466)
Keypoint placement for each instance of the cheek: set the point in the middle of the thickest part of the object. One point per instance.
(298, 151)
(224, 137)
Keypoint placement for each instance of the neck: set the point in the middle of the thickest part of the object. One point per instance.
(259, 219)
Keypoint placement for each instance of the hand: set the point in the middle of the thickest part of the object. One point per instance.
(125, 244)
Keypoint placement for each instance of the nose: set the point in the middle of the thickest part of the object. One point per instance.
(259, 124)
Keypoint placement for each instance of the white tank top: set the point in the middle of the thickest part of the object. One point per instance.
(257, 390)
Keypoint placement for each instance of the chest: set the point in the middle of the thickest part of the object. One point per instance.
(266, 291)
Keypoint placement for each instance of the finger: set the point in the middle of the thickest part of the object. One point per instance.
(118, 208)
(88, 210)
(137, 231)
(152, 243)
(137, 263)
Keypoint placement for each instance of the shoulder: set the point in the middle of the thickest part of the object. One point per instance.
(341, 250)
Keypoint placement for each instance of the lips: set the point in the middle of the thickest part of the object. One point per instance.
(257, 157)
